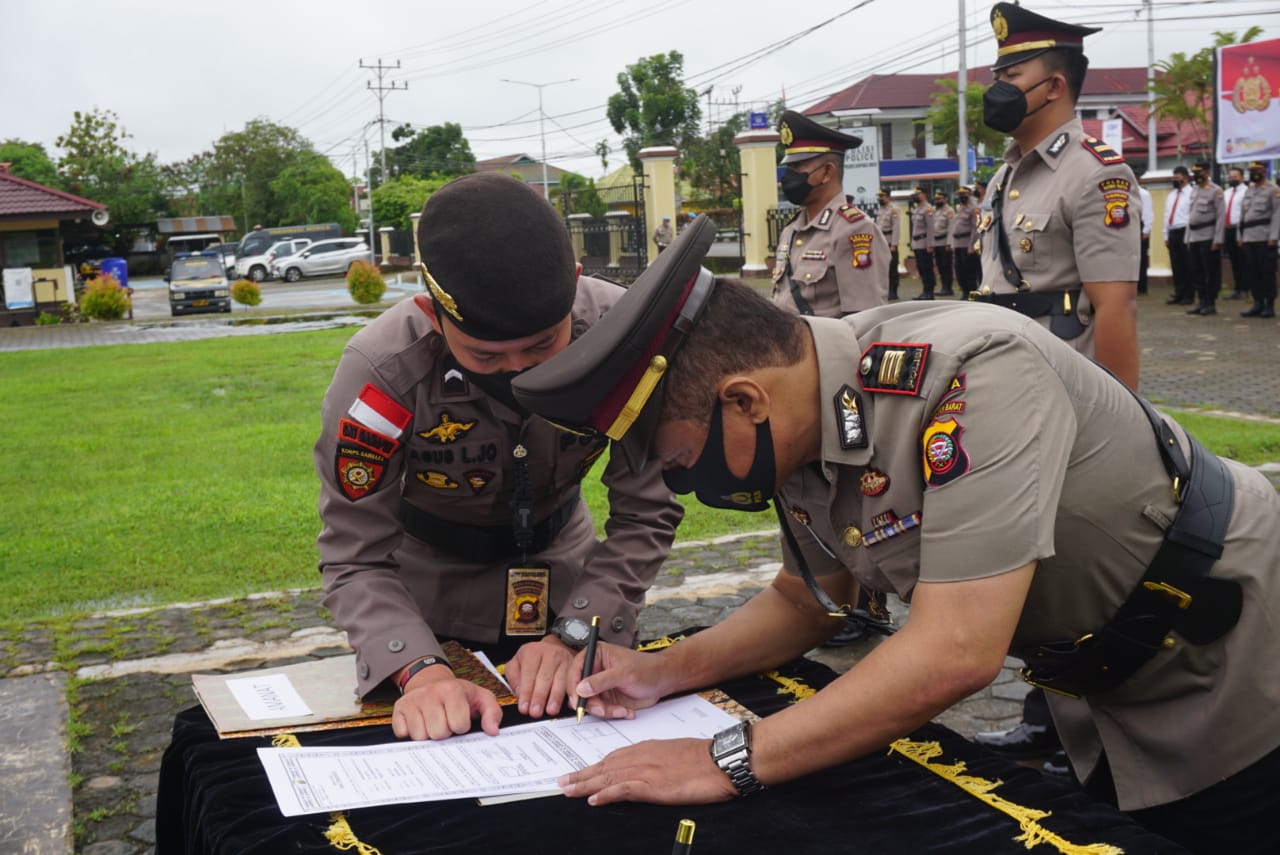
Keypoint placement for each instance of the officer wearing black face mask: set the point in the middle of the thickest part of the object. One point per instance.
(451, 512)
(1060, 231)
(832, 260)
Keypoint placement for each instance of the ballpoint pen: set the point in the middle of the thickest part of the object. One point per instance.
(589, 662)
(684, 838)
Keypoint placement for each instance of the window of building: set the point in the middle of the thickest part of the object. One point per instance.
(29, 249)
(886, 141)
(920, 139)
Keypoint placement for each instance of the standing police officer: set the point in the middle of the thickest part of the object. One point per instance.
(1259, 234)
(889, 221)
(448, 510)
(921, 241)
(1204, 239)
(832, 259)
(963, 225)
(940, 244)
(1059, 235)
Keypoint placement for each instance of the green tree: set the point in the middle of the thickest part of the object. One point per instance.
(1184, 86)
(437, 150)
(943, 118)
(394, 201)
(29, 161)
(653, 106)
(578, 195)
(313, 190)
(712, 164)
(242, 167)
(97, 165)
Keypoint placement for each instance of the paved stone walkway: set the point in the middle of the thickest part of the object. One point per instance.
(124, 675)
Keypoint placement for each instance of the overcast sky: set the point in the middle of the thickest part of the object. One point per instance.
(180, 73)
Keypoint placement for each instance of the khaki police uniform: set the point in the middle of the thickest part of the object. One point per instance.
(1071, 214)
(964, 225)
(1204, 232)
(926, 481)
(921, 240)
(1259, 232)
(939, 241)
(889, 221)
(453, 466)
(838, 262)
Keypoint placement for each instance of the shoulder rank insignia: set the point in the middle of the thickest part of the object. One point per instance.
(851, 213)
(447, 431)
(1055, 148)
(825, 218)
(853, 433)
(1102, 151)
(893, 368)
(455, 383)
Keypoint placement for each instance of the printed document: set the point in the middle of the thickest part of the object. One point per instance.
(520, 760)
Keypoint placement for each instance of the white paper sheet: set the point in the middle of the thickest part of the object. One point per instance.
(268, 696)
(523, 759)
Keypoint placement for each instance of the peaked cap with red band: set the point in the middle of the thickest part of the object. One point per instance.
(609, 380)
(804, 138)
(1022, 34)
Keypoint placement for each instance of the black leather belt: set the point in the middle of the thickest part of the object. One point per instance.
(1059, 305)
(961, 234)
(920, 236)
(1203, 225)
(1175, 594)
(1249, 224)
(481, 543)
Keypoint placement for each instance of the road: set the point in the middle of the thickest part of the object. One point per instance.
(151, 297)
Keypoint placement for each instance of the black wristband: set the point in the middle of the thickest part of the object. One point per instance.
(424, 662)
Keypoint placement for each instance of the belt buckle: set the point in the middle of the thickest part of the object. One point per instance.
(1025, 674)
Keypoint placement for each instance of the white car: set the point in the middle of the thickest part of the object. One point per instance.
(258, 267)
(324, 257)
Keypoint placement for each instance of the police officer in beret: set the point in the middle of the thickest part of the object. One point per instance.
(1136, 573)
(831, 258)
(889, 221)
(1059, 236)
(451, 512)
(1259, 235)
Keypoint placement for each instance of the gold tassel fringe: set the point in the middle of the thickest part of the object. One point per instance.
(340, 836)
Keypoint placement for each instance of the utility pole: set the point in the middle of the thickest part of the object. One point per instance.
(546, 188)
(1151, 79)
(962, 123)
(380, 91)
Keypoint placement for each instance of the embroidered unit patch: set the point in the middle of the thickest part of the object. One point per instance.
(861, 245)
(944, 457)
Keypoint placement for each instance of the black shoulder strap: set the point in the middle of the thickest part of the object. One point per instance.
(1007, 264)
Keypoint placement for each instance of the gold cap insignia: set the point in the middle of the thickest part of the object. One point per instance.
(442, 296)
(785, 133)
(1000, 26)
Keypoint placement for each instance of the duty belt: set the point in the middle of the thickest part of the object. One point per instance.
(1204, 224)
(1175, 594)
(1059, 305)
(479, 543)
(919, 236)
(961, 234)
(1249, 224)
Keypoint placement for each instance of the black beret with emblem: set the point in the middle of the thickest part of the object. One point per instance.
(610, 379)
(497, 260)
(1022, 34)
(804, 138)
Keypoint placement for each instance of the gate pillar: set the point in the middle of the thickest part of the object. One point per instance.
(659, 188)
(576, 221)
(759, 194)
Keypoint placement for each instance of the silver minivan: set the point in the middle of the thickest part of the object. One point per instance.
(324, 257)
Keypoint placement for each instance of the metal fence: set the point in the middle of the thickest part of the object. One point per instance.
(609, 229)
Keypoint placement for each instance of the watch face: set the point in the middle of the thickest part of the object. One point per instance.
(730, 740)
(575, 630)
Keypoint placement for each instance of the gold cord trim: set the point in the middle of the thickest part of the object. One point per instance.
(639, 397)
(285, 740)
(340, 836)
(1033, 834)
(791, 686)
(659, 643)
(1005, 51)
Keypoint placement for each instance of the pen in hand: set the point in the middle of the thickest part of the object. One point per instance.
(589, 662)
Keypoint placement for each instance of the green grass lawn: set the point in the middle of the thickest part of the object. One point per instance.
(149, 474)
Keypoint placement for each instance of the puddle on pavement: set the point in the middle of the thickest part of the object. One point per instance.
(344, 319)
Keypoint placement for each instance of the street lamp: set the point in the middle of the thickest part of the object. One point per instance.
(546, 190)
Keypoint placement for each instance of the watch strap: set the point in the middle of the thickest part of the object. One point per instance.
(737, 765)
(418, 665)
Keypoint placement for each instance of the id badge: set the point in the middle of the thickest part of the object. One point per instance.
(527, 591)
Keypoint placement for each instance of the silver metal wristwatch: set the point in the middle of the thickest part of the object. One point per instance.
(573, 631)
(731, 749)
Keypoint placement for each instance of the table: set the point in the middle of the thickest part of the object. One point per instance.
(214, 798)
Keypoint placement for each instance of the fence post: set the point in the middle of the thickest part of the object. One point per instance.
(659, 188)
(759, 194)
(616, 228)
(575, 224)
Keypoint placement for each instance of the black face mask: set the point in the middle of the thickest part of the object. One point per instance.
(709, 476)
(1004, 106)
(795, 186)
(1177, 185)
(1257, 177)
(1233, 182)
(497, 386)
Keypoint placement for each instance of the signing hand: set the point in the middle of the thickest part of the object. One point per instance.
(624, 681)
(436, 705)
(659, 771)
(541, 674)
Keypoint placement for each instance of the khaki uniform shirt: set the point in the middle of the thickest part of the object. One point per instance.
(889, 221)
(921, 227)
(1205, 221)
(1260, 220)
(941, 227)
(1070, 217)
(963, 226)
(1014, 449)
(839, 261)
(663, 235)
(392, 592)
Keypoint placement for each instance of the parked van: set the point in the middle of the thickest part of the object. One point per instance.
(198, 283)
(258, 241)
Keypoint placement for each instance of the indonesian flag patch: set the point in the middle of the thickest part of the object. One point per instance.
(376, 409)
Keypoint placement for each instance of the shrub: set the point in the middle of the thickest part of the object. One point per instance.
(246, 292)
(46, 319)
(365, 283)
(103, 299)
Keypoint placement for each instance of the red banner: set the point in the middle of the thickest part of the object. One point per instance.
(1249, 101)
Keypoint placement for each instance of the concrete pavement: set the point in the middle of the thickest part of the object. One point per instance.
(126, 674)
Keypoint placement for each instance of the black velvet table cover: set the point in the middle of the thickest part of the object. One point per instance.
(214, 798)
